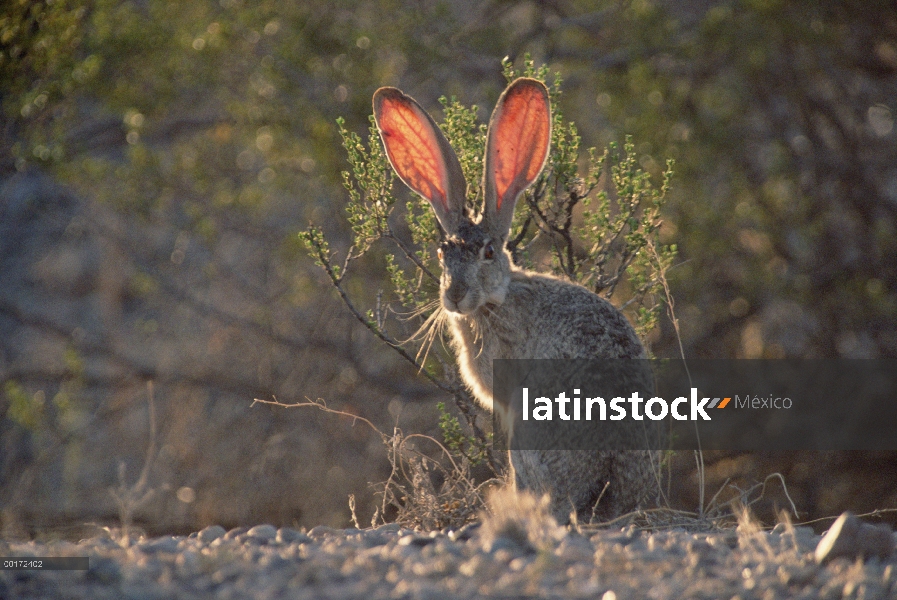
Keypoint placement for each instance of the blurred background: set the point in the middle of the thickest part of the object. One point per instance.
(157, 160)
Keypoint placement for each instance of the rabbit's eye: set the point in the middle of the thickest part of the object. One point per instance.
(488, 251)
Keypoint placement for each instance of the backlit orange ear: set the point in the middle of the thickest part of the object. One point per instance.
(519, 137)
(412, 146)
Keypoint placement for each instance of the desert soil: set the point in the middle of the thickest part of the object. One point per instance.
(472, 562)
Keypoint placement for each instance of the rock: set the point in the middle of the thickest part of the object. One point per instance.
(287, 535)
(323, 531)
(849, 537)
(463, 534)
(211, 533)
(262, 533)
(163, 544)
(236, 531)
(372, 539)
(416, 540)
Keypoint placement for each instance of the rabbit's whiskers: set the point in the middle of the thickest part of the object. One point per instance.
(429, 330)
(496, 322)
(421, 311)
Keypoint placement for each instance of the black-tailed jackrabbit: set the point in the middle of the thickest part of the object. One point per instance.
(497, 310)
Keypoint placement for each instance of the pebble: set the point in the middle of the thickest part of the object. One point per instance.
(322, 531)
(465, 533)
(162, 544)
(849, 537)
(265, 533)
(211, 533)
(286, 535)
(236, 531)
(416, 540)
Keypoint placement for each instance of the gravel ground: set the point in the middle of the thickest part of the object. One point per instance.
(495, 560)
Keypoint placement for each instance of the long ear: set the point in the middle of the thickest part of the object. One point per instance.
(421, 155)
(519, 136)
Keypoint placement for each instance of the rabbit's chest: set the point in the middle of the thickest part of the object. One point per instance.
(479, 341)
(485, 338)
(475, 352)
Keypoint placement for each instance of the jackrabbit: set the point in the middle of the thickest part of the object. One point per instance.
(497, 310)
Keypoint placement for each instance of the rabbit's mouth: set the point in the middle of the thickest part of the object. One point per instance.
(472, 304)
(461, 307)
(461, 302)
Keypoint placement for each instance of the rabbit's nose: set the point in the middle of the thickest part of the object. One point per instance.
(456, 293)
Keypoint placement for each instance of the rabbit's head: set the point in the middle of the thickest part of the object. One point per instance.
(476, 266)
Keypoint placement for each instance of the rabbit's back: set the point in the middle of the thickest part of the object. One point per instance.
(554, 318)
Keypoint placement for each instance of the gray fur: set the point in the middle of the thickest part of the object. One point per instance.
(545, 317)
(496, 310)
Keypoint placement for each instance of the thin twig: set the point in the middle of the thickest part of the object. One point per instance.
(394, 344)
(320, 404)
(411, 255)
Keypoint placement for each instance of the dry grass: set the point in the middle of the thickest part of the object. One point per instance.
(723, 512)
(130, 498)
(428, 492)
(428, 488)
